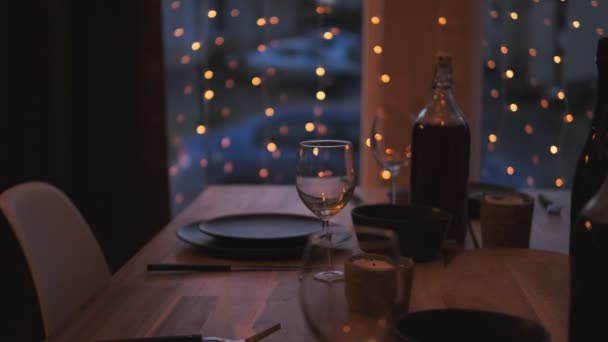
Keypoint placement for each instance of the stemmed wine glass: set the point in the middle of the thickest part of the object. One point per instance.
(388, 145)
(325, 180)
(364, 305)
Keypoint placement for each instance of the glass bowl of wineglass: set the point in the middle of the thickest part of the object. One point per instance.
(325, 180)
(364, 305)
(388, 145)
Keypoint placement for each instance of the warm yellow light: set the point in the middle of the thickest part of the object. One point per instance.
(269, 112)
(492, 138)
(201, 129)
(509, 73)
(513, 107)
(309, 127)
(504, 50)
(375, 20)
(494, 93)
(208, 95)
(491, 64)
(196, 46)
(378, 137)
(263, 173)
(532, 52)
(559, 182)
(576, 24)
(256, 81)
(228, 167)
(544, 103)
(234, 12)
(261, 48)
(368, 142)
(514, 15)
(529, 129)
(315, 151)
(271, 147)
(569, 118)
(557, 59)
(588, 225)
(261, 22)
(320, 95)
(530, 180)
(208, 74)
(212, 13)
(328, 35)
(385, 78)
(377, 49)
(510, 170)
(442, 21)
(320, 71)
(561, 95)
(553, 149)
(225, 143)
(385, 174)
(178, 32)
(219, 41)
(274, 20)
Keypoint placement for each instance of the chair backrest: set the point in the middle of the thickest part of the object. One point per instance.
(63, 255)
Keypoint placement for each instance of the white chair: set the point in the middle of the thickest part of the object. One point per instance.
(64, 258)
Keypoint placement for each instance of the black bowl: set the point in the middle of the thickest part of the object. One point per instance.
(461, 325)
(420, 229)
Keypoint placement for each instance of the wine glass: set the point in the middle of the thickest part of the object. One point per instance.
(388, 145)
(363, 306)
(325, 180)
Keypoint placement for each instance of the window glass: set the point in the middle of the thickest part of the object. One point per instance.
(248, 79)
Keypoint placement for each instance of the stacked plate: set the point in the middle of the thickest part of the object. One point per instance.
(255, 235)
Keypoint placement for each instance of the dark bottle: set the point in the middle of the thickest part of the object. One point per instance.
(440, 153)
(592, 164)
(588, 321)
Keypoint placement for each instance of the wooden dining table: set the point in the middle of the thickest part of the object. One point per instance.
(532, 282)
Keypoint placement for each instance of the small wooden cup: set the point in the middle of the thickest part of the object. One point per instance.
(374, 285)
(506, 219)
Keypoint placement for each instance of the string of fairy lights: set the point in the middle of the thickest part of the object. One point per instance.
(213, 95)
(554, 99)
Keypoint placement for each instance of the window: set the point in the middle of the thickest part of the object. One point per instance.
(247, 80)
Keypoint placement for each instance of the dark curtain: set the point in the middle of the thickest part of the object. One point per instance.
(83, 110)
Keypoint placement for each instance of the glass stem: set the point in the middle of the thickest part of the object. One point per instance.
(393, 188)
(325, 226)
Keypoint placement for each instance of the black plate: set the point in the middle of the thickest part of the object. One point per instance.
(261, 227)
(443, 325)
(249, 249)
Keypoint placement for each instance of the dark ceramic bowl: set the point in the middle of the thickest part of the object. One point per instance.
(420, 229)
(460, 325)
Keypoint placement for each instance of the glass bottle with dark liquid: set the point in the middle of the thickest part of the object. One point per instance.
(588, 320)
(593, 160)
(440, 153)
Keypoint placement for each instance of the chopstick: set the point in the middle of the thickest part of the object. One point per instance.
(257, 337)
(218, 267)
(182, 338)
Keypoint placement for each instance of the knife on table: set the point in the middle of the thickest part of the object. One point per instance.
(218, 267)
(200, 338)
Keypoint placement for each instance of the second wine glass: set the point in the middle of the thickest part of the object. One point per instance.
(325, 180)
(388, 144)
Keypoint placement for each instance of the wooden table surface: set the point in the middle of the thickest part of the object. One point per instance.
(526, 282)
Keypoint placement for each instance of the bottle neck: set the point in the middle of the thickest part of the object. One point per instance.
(442, 79)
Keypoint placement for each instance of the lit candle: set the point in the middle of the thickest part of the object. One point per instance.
(371, 284)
